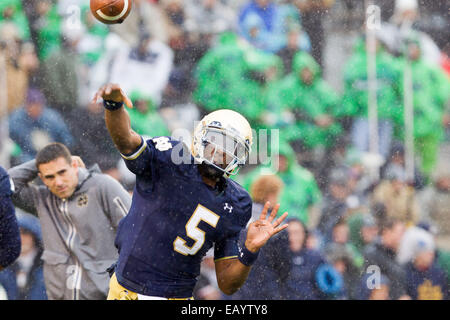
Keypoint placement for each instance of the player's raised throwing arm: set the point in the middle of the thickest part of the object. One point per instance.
(117, 118)
(231, 274)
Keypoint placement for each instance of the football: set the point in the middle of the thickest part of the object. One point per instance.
(110, 11)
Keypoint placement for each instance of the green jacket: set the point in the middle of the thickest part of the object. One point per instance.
(18, 17)
(49, 33)
(149, 124)
(146, 122)
(224, 78)
(98, 32)
(300, 190)
(307, 102)
(431, 90)
(355, 97)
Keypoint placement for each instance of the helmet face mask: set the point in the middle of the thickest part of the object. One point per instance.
(220, 144)
(223, 151)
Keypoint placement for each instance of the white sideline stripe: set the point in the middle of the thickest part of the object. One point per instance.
(120, 15)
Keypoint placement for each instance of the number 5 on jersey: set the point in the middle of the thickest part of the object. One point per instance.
(200, 214)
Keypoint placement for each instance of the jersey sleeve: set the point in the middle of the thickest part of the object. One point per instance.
(6, 184)
(139, 161)
(9, 230)
(228, 247)
(149, 155)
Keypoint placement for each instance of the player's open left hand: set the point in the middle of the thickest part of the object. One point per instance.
(261, 230)
(112, 92)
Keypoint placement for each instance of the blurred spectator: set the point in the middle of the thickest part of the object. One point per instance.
(20, 61)
(300, 196)
(412, 237)
(435, 203)
(61, 73)
(425, 279)
(368, 291)
(87, 126)
(92, 40)
(270, 26)
(188, 45)
(334, 204)
(397, 196)
(402, 22)
(176, 13)
(313, 240)
(234, 75)
(397, 159)
(265, 10)
(35, 125)
(363, 230)
(313, 13)
(146, 17)
(310, 276)
(343, 260)
(45, 25)
(355, 97)
(360, 182)
(209, 17)
(296, 40)
(145, 118)
(288, 24)
(433, 20)
(11, 11)
(253, 30)
(267, 278)
(313, 103)
(24, 279)
(265, 188)
(442, 253)
(382, 253)
(340, 242)
(206, 287)
(131, 66)
(430, 94)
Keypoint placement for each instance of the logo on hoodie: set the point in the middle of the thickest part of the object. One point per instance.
(82, 200)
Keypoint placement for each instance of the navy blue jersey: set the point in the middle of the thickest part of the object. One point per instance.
(6, 185)
(9, 229)
(174, 219)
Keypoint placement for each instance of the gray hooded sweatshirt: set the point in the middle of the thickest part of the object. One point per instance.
(78, 232)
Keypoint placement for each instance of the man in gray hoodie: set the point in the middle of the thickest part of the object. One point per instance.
(79, 211)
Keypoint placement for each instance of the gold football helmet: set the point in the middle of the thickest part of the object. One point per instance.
(222, 139)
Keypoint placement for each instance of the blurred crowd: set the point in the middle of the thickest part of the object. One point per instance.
(296, 68)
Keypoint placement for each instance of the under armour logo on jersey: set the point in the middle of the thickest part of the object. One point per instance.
(227, 207)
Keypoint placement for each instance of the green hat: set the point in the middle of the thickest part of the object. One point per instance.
(16, 4)
(303, 60)
(136, 95)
